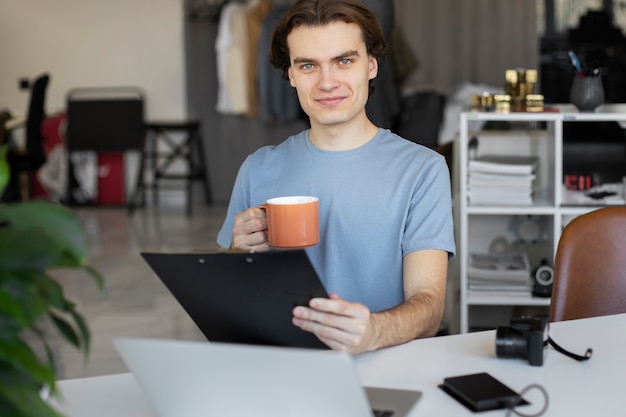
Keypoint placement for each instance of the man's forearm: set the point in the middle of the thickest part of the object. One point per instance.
(424, 283)
(417, 317)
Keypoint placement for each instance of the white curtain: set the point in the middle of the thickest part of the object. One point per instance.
(457, 41)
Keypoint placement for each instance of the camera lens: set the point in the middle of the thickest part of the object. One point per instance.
(544, 275)
(510, 343)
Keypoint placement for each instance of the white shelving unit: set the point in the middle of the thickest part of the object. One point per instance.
(477, 223)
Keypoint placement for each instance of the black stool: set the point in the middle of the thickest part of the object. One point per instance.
(158, 160)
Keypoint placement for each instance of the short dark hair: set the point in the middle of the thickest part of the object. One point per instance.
(312, 13)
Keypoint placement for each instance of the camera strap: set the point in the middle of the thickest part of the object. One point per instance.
(552, 343)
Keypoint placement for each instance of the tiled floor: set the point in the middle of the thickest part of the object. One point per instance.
(135, 302)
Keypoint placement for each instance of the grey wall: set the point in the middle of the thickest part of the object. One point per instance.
(94, 43)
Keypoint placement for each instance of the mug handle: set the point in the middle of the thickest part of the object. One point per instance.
(264, 208)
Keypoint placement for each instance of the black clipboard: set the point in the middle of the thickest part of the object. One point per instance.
(237, 297)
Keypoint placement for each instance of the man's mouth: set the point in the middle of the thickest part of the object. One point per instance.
(330, 101)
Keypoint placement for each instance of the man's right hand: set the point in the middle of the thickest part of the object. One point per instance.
(250, 231)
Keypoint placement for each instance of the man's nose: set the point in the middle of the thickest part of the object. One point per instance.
(328, 79)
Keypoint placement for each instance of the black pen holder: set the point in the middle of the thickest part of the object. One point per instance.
(587, 93)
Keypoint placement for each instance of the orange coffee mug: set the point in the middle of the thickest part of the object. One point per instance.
(292, 222)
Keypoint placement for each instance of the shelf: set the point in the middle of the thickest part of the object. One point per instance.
(576, 210)
(543, 205)
(478, 225)
(498, 299)
(565, 112)
(580, 199)
(514, 117)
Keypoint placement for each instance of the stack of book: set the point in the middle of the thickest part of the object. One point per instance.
(499, 273)
(502, 180)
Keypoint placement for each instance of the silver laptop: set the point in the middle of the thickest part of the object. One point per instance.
(200, 379)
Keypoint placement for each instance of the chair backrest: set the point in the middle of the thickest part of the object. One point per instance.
(105, 119)
(590, 266)
(34, 120)
(4, 117)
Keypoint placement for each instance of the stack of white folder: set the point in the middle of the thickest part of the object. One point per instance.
(501, 180)
(501, 273)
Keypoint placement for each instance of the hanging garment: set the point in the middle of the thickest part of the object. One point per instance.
(278, 101)
(231, 51)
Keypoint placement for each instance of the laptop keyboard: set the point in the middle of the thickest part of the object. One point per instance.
(383, 413)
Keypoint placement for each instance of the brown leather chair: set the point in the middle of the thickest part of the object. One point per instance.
(590, 266)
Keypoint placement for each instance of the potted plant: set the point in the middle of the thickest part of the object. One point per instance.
(36, 236)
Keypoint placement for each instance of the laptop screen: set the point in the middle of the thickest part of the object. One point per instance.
(218, 379)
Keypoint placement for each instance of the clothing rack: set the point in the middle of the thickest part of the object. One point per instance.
(206, 10)
(210, 10)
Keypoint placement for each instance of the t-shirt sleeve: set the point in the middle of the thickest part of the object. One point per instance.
(239, 201)
(429, 222)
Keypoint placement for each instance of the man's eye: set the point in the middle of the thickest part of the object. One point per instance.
(307, 67)
(345, 61)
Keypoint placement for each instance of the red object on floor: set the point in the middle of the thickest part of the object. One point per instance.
(111, 185)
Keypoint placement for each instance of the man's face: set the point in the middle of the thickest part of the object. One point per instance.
(330, 70)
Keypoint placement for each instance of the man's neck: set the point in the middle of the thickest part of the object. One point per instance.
(342, 137)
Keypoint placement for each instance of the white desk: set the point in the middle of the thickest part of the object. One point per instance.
(594, 387)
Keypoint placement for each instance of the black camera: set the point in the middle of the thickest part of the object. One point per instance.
(525, 338)
(543, 277)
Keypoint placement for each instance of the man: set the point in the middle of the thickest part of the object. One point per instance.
(385, 209)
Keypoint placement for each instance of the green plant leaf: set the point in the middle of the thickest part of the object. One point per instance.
(10, 328)
(4, 168)
(61, 311)
(28, 248)
(66, 329)
(49, 356)
(96, 276)
(49, 290)
(34, 237)
(19, 356)
(52, 385)
(9, 375)
(83, 329)
(20, 286)
(25, 402)
(9, 307)
(7, 410)
(57, 221)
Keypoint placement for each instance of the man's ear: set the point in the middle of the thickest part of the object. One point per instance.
(291, 82)
(373, 64)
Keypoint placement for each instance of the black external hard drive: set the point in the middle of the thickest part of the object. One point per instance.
(481, 392)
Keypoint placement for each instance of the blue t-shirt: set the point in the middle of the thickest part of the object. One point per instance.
(377, 203)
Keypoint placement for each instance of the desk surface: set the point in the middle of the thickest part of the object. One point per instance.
(594, 387)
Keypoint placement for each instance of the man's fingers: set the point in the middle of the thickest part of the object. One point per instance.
(249, 230)
(251, 240)
(313, 320)
(335, 337)
(339, 307)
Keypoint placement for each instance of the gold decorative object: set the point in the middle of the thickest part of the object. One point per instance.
(520, 83)
(483, 102)
(534, 103)
(519, 89)
(502, 103)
